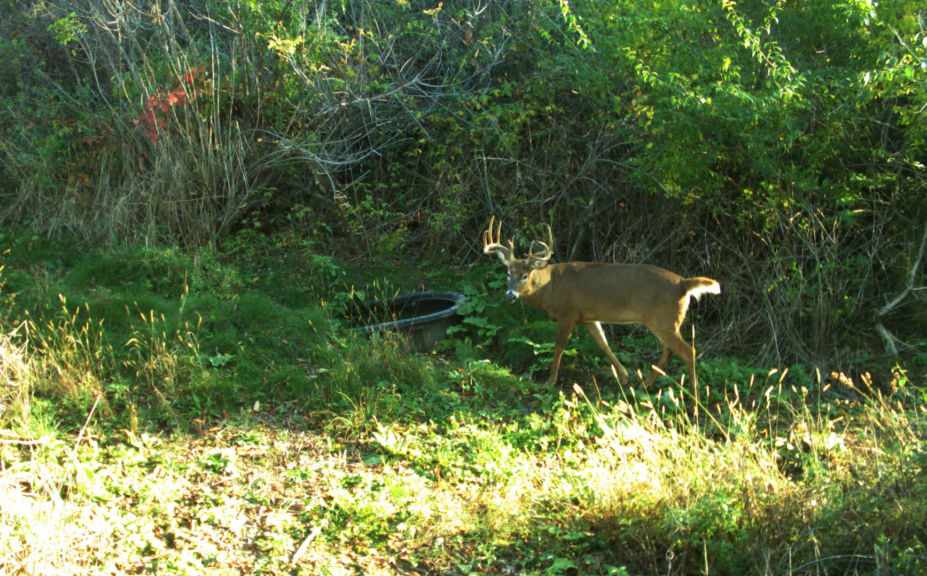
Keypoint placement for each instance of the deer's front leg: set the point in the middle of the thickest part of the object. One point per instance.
(564, 330)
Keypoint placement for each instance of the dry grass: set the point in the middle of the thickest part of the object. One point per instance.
(260, 495)
(15, 368)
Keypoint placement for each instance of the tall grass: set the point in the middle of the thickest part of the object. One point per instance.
(166, 363)
(156, 152)
(15, 371)
(178, 122)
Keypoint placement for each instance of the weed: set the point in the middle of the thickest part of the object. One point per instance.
(166, 361)
(15, 371)
(74, 361)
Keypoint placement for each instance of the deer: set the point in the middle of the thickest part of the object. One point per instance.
(590, 293)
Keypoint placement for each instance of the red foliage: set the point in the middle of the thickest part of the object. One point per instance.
(159, 104)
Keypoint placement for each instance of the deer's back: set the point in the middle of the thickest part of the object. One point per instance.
(611, 293)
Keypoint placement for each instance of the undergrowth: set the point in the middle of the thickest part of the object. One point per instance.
(209, 414)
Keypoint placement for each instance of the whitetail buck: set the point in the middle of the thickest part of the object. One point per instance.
(590, 293)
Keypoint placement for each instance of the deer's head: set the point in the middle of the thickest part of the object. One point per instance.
(520, 270)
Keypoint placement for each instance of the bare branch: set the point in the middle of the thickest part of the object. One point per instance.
(888, 339)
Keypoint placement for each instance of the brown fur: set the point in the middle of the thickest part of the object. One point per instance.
(591, 293)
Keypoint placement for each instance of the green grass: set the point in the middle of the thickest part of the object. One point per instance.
(204, 414)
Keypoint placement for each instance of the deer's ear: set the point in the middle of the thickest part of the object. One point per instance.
(538, 264)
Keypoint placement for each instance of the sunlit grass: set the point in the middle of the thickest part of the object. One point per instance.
(208, 439)
(587, 488)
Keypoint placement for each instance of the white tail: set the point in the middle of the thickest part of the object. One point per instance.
(591, 293)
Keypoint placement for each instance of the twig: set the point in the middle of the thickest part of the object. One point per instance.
(888, 339)
(313, 534)
(80, 435)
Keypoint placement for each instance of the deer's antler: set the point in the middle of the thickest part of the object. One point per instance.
(492, 242)
(540, 258)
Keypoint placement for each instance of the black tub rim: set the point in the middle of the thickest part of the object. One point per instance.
(455, 300)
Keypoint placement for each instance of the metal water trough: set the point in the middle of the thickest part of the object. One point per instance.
(422, 318)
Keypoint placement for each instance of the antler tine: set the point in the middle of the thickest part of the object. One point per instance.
(488, 239)
(492, 242)
(543, 256)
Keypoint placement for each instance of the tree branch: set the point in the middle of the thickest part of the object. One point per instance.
(888, 339)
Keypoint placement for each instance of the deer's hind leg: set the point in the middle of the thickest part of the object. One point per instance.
(658, 366)
(673, 342)
(595, 330)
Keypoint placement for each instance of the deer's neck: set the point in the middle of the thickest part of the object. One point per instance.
(539, 288)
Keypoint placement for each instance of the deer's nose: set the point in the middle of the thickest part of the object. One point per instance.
(511, 295)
